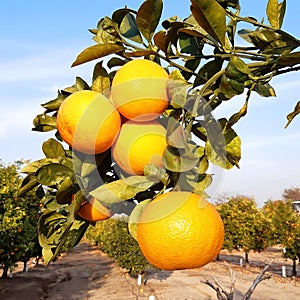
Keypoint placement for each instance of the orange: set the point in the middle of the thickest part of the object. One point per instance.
(139, 144)
(88, 122)
(180, 230)
(93, 210)
(139, 90)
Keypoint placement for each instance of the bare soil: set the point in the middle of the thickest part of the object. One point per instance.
(86, 273)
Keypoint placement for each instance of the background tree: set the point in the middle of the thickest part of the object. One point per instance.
(18, 219)
(291, 194)
(246, 228)
(114, 239)
(284, 228)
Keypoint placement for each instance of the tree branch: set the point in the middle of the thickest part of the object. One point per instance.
(256, 281)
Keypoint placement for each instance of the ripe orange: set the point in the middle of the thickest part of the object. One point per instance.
(180, 230)
(139, 144)
(88, 122)
(93, 210)
(139, 90)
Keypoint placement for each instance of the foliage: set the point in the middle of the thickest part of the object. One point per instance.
(18, 219)
(245, 225)
(114, 239)
(207, 68)
(284, 227)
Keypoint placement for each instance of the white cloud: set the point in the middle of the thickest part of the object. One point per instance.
(15, 122)
(43, 65)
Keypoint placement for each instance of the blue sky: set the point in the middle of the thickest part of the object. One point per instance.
(41, 39)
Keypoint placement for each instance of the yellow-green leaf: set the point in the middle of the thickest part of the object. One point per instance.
(275, 13)
(135, 216)
(210, 15)
(148, 17)
(122, 189)
(96, 51)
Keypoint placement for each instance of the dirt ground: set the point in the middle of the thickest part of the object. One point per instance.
(86, 273)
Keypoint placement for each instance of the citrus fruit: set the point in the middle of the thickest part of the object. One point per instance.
(180, 230)
(139, 90)
(93, 210)
(139, 144)
(88, 122)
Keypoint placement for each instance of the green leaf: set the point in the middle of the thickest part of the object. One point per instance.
(44, 123)
(128, 28)
(95, 52)
(198, 182)
(265, 90)
(53, 149)
(54, 105)
(47, 233)
(135, 216)
(47, 255)
(107, 32)
(32, 167)
(122, 189)
(148, 17)
(191, 64)
(211, 16)
(199, 131)
(85, 164)
(177, 89)
(156, 174)
(53, 174)
(237, 116)
(203, 164)
(293, 114)
(237, 69)
(270, 41)
(180, 160)
(177, 137)
(65, 190)
(207, 71)
(290, 59)
(225, 151)
(229, 88)
(188, 44)
(101, 84)
(99, 70)
(28, 183)
(116, 62)
(81, 84)
(275, 12)
(74, 235)
(139, 53)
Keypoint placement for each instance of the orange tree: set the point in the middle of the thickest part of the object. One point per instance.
(114, 239)
(246, 227)
(285, 228)
(206, 68)
(18, 219)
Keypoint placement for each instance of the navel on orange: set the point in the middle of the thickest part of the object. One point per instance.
(139, 90)
(180, 230)
(88, 122)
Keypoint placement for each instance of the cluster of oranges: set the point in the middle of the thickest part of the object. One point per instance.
(176, 230)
